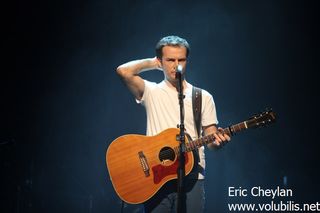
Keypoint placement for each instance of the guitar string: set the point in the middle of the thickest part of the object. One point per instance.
(191, 146)
(194, 144)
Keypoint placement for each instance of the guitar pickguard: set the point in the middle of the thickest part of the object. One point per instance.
(161, 171)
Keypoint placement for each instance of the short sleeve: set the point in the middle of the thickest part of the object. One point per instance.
(209, 114)
(146, 93)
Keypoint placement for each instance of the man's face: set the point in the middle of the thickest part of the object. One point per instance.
(172, 56)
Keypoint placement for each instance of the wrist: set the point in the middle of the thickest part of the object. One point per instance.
(149, 64)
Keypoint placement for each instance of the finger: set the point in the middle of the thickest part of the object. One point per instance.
(222, 138)
(223, 135)
(158, 63)
(217, 138)
(217, 144)
(227, 137)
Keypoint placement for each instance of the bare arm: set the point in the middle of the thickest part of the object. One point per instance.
(129, 73)
(220, 140)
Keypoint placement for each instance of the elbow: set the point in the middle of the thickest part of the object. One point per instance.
(121, 71)
(124, 73)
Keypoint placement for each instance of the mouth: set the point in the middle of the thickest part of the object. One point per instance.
(173, 74)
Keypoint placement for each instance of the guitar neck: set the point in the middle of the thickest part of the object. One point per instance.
(231, 130)
(256, 121)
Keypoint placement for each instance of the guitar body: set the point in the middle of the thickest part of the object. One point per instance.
(140, 165)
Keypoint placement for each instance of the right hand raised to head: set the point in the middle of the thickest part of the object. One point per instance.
(157, 64)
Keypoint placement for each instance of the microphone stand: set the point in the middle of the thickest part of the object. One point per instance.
(181, 204)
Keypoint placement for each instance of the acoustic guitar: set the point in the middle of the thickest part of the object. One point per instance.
(140, 165)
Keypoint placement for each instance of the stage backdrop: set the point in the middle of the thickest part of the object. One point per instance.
(62, 103)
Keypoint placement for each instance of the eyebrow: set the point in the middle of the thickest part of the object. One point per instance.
(173, 59)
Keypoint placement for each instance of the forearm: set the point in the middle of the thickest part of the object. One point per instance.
(129, 72)
(133, 68)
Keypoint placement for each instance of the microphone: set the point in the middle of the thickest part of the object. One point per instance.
(179, 71)
(179, 68)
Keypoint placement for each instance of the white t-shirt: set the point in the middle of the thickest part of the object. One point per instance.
(163, 111)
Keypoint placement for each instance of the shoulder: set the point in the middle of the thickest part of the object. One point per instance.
(149, 85)
(152, 88)
(205, 94)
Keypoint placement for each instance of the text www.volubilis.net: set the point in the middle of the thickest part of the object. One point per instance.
(275, 207)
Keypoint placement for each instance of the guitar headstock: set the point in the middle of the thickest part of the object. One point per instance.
(262, 119)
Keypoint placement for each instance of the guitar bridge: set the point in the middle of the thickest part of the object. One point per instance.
(144, 164)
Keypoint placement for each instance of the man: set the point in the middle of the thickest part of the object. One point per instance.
(162, 107)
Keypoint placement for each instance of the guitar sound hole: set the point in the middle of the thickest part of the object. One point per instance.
(167, 153)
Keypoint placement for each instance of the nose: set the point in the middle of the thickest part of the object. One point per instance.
(176, 63)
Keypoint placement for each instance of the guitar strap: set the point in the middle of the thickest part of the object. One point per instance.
(197, 106)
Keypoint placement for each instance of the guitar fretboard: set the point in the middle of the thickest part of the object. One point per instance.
(256, 121)
(197, 143)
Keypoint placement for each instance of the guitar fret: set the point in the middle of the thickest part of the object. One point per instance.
(238, 128)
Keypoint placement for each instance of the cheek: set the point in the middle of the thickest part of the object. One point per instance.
(166, 66)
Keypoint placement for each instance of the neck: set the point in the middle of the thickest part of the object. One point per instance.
(174, 84)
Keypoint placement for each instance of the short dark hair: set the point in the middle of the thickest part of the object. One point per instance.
(171, 41)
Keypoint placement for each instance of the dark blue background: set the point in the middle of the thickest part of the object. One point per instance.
(62, 103)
